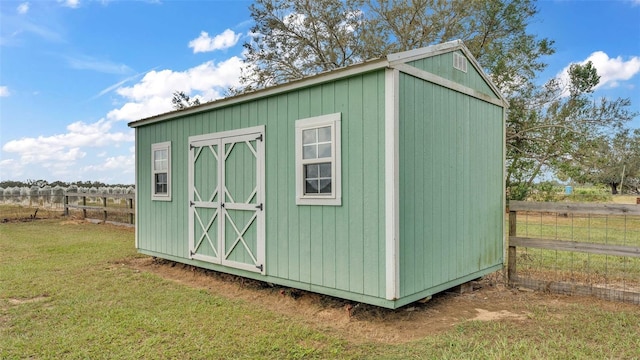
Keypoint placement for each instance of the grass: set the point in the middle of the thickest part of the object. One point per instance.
(66, 293)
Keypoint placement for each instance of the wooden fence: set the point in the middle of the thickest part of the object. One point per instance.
(565, 210)
(102, 204)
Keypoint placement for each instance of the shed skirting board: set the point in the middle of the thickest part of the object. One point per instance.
(342, 294)
(445, 286)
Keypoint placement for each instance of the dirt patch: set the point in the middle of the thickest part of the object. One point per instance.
(28, 300)
(486, 315)
(487, 300)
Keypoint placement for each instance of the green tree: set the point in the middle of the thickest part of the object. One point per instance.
(181, 100)
(546, 126)
(554, 129)
(610, 160)
(293, 39)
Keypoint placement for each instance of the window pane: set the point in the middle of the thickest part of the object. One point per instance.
(311, 171)
(324, 150)
(160, 154)
(309, 136)
(311, 187)
(161, 183)
(324, 134)
(309, 152)
(325, 170)
(160, 160)
(325, 186)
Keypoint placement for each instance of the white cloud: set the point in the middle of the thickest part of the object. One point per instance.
(4, 91)
(103, 66)
(65, 149)
(11, 167)
(23, 8)
(124, 163)
(152, 95)
(70, 3)
(204, 43)
(612, 71)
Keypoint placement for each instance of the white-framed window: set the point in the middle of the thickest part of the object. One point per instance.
(318, 170)
(161, 171)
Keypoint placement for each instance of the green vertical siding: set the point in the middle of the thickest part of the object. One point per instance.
(328, 247)
(450, 185)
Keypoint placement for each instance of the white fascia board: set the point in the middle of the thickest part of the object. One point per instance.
(425, 52)
(434, 50)
(432, 78)
(277, 89)
(486, 78)
(391, 181)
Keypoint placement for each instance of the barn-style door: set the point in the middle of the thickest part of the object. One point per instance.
(226, 198)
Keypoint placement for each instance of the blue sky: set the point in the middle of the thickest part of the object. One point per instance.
(73, 73)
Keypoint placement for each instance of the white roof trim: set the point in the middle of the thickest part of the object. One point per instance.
(277, 89)
(425, 52)
(371, 65)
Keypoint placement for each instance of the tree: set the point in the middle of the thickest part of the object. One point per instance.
(554, 129)
(293, 39)
(182, 101)
(546, 125)
(610, 160)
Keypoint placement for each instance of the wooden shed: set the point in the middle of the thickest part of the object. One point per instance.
(381, 182)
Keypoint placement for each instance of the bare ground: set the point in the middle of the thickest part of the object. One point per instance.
(489, 300)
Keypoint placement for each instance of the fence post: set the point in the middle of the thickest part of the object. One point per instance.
(66, 205)
(511, 265)
(84, 203)
(130, 204)
(104, 204)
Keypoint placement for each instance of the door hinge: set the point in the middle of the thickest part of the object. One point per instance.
(191, 203)
(261, 267)
(191, 147)
(259, 207)
(259, 137)
(221, 205)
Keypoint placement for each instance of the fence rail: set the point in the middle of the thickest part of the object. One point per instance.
(615, 225)
(104, 208)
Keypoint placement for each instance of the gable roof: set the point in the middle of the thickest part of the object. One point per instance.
(328, 76)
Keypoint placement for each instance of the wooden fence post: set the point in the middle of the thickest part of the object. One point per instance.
(104, 204)
(130, 204)
(84, 203)
(66, 205)
(511, 265)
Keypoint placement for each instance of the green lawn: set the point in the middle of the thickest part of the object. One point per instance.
(66, 293)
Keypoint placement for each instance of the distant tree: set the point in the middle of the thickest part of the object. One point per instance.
(182, 101)
(610, 160)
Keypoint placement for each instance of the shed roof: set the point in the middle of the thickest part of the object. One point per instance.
(327, 76)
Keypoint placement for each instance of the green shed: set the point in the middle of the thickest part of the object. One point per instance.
(380, 182)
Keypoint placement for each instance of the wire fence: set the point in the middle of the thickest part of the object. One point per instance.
(580, 249)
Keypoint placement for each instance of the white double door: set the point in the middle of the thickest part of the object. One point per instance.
(226, 198)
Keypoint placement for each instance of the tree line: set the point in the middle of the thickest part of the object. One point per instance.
(42, 183)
